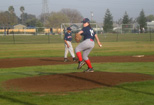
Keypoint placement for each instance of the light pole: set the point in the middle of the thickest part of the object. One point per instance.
(92, 14)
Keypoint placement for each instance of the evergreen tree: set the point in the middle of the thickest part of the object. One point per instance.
(142, 20)
(126, 19)
(108, 21)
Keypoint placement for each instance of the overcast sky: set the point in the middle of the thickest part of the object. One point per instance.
(98, 7)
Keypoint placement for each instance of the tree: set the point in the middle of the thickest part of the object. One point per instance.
(22, 9)
(44, 18)
(56, 19)
(108, 21)
(4, 18)
(142, 20)
(73, 15)
(28, 17)
(150, 18)
(34, 23)
(11, 9)
(12, 16)
(125, 19)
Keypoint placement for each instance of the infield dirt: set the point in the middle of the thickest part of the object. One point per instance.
(22, 62)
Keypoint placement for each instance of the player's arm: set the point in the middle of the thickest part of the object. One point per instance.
(97, 39)
(66, 43)
(80, 32)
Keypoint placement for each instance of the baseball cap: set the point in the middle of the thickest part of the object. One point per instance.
(85, 20)
(69, 28)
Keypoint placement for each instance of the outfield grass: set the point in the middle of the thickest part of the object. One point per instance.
(57, 50)
(137, 93)
(44, 39)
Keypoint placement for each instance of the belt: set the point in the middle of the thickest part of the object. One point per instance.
(91, 40)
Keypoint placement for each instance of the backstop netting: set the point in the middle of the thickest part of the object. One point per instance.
(78, 26)
(130, 28)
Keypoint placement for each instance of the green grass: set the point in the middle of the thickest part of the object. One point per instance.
(30, 39)
(44, 39)
(136, 93)
(57, 50)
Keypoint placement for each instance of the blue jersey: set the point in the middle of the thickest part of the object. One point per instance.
(88, 33)
(68, 36)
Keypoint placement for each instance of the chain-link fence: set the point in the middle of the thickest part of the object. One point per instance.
(49, 38)
(127, 37)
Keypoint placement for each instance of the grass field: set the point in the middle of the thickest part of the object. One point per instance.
(137, 93)
(44, 39)
(57, 50)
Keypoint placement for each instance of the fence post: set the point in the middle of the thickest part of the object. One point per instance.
(150, 35)
(117, 36)
(48, 38)
(13, 38)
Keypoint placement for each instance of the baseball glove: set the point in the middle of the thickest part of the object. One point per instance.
(78, 37)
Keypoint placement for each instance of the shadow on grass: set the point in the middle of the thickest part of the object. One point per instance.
(36, 73)
(45, 73)
(16, 100)
(135, 91)
(109, 85)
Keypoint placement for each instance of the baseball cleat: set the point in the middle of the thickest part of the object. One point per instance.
(89, 70)
(65, 59)
(74, 59)
(81, 63)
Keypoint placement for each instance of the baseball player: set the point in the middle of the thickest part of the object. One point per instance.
(68, 45)
(86, 45)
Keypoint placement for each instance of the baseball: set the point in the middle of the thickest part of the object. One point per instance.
(100, 45)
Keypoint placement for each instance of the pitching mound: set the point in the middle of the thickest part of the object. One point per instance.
(73, 81)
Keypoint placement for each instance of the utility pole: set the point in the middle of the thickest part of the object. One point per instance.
(92, 14)
(45, 10)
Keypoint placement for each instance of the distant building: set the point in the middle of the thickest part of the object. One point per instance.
(20, 26)
(150, 26)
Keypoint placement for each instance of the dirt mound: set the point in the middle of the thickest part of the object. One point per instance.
(73, 81)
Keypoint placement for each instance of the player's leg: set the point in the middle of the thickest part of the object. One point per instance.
(78, 50)
(66, 53)
(81, 47)
(71, 50)
(86, 58)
